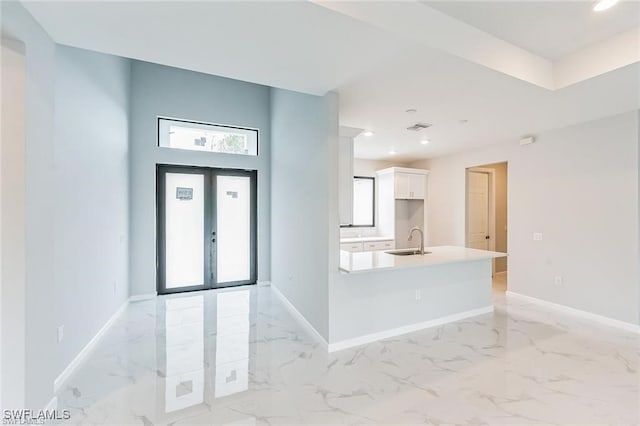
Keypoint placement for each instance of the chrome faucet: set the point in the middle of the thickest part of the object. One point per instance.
(421, 237)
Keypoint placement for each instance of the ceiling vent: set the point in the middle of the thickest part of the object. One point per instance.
(418, 126)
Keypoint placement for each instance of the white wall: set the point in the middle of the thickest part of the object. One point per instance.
(363, 167)
(304, 199)
(91, 207)
(579, 187)
(12, 225)
(40, 294)
(158, 90)
(366, 303)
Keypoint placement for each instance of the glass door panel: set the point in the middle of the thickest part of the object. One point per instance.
(233, 227)
(184, 230)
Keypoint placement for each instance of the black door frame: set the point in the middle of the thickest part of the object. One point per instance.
(210, 244)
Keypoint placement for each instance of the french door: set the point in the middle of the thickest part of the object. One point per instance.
(206, 228)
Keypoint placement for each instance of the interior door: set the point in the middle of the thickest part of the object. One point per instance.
(206, 228)
(478, 210)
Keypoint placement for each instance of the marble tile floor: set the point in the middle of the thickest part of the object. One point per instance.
(237, 357)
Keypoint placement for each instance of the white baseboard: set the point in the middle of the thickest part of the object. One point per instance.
(52, 405)
(368, 338)
(577, 312)
(141, 297)
(263, 283)
(59, 381)
(298, 316)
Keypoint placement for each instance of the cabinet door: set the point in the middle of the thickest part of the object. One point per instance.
(379, 245)
(401, 185)
(351, 246)
(416, 186)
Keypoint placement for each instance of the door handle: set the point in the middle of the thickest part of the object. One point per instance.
(487, 237)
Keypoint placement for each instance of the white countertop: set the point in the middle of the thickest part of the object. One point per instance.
(376, 260)
(364, 239)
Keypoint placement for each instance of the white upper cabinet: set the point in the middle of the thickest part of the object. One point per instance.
(402, 203)
(401, 185)
(409, 186)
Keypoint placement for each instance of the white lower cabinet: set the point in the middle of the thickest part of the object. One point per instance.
(368, 245)
(379, 245)
(351, 246)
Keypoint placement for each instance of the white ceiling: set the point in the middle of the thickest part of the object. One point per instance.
(383, 58)
(445, 89)
(551, 29)
(293, 45)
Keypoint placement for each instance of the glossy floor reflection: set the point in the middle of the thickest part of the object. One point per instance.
(237, 357)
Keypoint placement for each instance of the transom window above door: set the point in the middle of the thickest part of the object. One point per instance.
(196, 136)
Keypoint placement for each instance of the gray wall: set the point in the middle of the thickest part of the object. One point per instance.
(91, 207)
(304, 200)
(579, 187)
(12, 223)
(158, 90)
(76, 197)
(39, 197)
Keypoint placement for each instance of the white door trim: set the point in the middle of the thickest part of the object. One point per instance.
(492, 208)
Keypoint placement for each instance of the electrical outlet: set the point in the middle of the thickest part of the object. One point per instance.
(418, 295)
(537, 236)
(558, 281)
(60, 333)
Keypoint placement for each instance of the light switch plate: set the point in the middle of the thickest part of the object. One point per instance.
(60, 333)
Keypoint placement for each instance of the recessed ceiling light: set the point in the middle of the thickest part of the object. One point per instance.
(604, 5)
(393, 152)
(412, 111)
(368, 133)
(424, 141)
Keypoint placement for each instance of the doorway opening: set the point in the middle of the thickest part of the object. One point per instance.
(206, 236)
(486, 215)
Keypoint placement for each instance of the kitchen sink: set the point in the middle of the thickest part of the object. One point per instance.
(406, 252)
